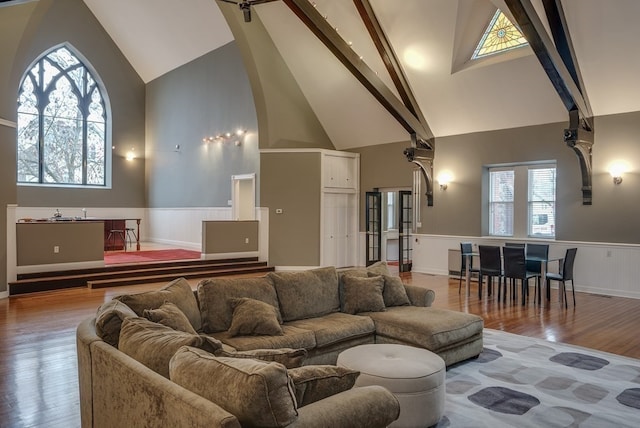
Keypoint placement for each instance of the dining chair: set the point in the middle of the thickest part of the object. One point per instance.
(515, 268)
(533, 266)
(466, 248)
(490, 266)
(565, 274)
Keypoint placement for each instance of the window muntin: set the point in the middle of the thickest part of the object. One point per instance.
(501, 191)
(501, 35)
(61, 123)
(522, 200)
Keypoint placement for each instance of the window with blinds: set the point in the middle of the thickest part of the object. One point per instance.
(542, 202)
(522, 200)
(501, 201)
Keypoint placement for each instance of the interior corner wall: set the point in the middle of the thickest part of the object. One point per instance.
(205, 97)
(458, 211)
(52, 23)
(285, 118)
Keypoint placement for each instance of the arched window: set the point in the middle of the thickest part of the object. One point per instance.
(62, 122)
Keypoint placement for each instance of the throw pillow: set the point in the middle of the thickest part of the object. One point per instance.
(394, 293)
(307, 294)
(258, 393)
(214, 295)
(362, 294)
(109, 320)
(170, 315)
(177, 291)
(253, 317)
(380, 268)
(288, 357)
(154, 344)
(314, 383)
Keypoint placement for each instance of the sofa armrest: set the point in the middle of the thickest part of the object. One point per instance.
(360, 407)
(420, 296)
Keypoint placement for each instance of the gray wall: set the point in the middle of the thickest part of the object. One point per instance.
(55, 22)
(459, 210)
(291, 182)
(219, 237)
(205, 97)
(77, 242)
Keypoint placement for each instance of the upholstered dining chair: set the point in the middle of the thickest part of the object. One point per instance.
(490, 266)
(515, 268)
(565, 274)
(466, 248)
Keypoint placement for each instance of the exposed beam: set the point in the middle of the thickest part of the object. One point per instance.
(391, 62)
(531, 26)
(564, 45)
(310, 16)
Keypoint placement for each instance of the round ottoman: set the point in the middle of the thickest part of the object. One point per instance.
(414, 375)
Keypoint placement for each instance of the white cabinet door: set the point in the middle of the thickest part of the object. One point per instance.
(339, 229)
(339, 172)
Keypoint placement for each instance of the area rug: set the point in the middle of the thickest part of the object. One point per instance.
(120, 257)
(519, 381)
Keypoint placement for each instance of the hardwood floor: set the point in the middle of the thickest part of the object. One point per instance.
(38, 367)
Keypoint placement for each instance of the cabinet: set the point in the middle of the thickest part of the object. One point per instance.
(339, 171)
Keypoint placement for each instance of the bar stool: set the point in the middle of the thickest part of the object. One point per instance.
(131, 236)
(117, 233)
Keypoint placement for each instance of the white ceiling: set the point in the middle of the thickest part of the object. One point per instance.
(432, 38)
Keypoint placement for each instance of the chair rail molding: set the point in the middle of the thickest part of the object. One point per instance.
(601, 268)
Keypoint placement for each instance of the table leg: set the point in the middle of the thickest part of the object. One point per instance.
(468, 273)
(138, 235)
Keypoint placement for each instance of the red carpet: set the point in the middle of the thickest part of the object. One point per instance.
(113, 258)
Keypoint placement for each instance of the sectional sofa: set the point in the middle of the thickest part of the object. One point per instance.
(131, 356)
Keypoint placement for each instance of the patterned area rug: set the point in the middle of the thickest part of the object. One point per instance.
(523, 382)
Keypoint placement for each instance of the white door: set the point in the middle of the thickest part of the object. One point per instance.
(243, 197)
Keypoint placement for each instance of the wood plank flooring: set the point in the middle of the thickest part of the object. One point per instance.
(38, 367)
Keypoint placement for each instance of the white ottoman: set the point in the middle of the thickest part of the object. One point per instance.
(414, 375)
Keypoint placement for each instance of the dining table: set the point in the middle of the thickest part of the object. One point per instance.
(544, 261)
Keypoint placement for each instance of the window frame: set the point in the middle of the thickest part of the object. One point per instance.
(38, 91)
(522, 205)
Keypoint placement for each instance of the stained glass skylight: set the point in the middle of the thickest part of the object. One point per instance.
(501, 35)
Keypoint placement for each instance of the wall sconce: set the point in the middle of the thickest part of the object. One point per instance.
(444, 179)
(131, 155)
(616, 170)
(227, 137)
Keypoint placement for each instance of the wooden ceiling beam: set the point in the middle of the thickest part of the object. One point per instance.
(552, 62)
(310, 16)
(392, 63)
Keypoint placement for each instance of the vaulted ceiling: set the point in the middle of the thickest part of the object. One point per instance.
(434, 40)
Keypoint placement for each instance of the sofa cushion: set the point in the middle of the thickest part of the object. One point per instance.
(109, 320)
(362, 294)
(292, 337)
(314, 383)
(430, 328)
(154, 344)
(253, 317)
(307, 294)
(177, 291)
(393, 293)
(336, 327)
(214, 295)
(290, 358)
(258, 393)
(170, 315)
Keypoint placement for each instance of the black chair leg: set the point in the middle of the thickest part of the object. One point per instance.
(564, 292)
(573, 291)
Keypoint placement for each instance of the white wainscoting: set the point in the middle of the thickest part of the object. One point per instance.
(183, 226)
(600, 268)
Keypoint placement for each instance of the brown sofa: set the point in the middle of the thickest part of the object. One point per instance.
(319, 312)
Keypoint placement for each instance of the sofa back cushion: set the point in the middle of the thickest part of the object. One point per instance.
(154, 344)
(178, 292)
(109, 320)
(258, 393)
(307, 294)
(214, 298)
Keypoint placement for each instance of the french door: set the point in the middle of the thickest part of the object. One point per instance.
(373, 220)
(405, 258)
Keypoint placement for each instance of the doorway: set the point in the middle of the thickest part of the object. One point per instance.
(243, 197)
